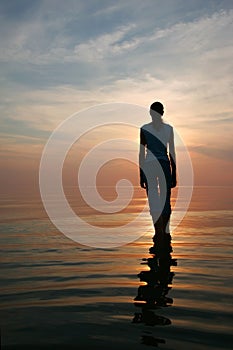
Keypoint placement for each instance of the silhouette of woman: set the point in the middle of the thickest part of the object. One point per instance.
(157, 162)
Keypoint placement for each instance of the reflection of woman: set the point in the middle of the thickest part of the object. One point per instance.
(157, 166)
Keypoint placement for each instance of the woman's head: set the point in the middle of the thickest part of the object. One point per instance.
(157, 107)
(156, 110)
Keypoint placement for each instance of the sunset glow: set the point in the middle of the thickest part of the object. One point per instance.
(51, 69)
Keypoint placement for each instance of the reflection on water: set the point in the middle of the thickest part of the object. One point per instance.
(56, 294)
(153, 293)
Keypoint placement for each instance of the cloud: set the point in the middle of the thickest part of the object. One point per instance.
(187, 64)
(22, 129)
(221, 152)
(55, 66)
(106, 45)
(44, 42)
(185, 58)
(108, 10)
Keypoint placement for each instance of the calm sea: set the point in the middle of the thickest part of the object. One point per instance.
(57, 294)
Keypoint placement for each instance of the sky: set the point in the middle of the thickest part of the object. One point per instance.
(60, 57)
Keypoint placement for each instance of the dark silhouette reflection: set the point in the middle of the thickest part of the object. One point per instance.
(154, 294)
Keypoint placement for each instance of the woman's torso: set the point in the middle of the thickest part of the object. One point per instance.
(156, 139)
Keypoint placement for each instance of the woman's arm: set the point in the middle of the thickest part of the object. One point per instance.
(142, 156)
(172, 156)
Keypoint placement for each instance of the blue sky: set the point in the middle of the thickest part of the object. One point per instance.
(58, 57)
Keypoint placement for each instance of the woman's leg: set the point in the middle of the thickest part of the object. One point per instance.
(165, 193)
(151, 173)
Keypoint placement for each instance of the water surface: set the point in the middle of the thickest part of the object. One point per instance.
(58, 294)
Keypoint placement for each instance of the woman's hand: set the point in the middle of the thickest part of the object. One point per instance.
(143, 183)
(142, 179)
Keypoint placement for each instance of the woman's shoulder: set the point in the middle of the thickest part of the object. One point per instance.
(167, 130)
(164, 127)
(147, 126)
(167, 126)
